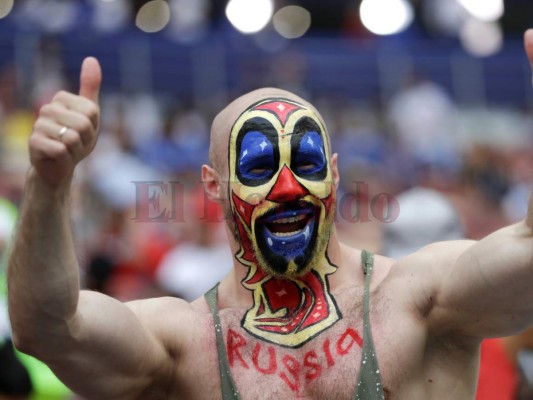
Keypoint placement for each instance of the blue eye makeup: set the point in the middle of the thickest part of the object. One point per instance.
(256, 158)
(308, 158)
(257, 152)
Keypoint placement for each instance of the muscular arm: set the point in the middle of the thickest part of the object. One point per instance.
(488, 289)
(481, 289)
(97, 345)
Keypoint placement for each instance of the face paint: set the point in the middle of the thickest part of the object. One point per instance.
(279, 165)
(282, 199)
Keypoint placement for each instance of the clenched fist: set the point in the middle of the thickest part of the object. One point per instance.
(67, 128)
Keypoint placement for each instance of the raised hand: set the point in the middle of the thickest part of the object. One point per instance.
(67, 128)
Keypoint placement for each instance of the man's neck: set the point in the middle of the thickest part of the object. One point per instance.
(288, 311)
(242, 297)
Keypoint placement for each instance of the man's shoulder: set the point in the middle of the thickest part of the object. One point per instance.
(166, 314)
(150, 304)
(414, 280)
(436, 256)
(167, 308)
(173, 321)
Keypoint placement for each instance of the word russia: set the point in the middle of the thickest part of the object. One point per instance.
(292, 370)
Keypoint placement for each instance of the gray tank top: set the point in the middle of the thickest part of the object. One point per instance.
(369, 381)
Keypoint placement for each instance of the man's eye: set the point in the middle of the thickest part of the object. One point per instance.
(305, 167)
(260, 170)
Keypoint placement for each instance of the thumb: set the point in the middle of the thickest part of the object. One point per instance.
(90, 79)
(528, 43)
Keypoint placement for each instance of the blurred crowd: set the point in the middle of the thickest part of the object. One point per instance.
(144, 227)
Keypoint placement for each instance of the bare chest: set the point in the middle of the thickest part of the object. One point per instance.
(327, 366)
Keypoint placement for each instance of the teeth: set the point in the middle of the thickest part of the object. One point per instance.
(289, 220)
(285, 234)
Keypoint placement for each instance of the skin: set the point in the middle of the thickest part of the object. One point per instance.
(302, 181)
(429, 311)
(513, 344)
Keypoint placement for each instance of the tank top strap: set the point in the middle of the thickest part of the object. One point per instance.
(227, 385)
(369, 381)
(367, 262)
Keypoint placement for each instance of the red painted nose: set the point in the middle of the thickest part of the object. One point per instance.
(286, 188)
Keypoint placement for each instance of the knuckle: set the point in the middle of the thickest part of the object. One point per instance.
(34, 141)
(72, 144)
(72, 140)
(46, 109)
(59, 96)
(93, 111)
(39, 125)
(59, 153)
(51, 109)
(83, 124)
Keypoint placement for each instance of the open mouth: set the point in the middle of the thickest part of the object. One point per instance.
(288, 233)
(289, 226)
(284, 222)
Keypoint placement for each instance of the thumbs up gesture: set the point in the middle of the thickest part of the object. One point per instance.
(66, 129)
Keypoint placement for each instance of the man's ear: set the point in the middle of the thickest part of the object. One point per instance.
(335, 170)
(212, 184)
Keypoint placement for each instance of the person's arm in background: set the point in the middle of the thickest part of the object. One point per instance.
(95, 344)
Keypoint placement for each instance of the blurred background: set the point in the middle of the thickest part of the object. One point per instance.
(431, 94)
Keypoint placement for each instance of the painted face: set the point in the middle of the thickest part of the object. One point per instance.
(281, 189)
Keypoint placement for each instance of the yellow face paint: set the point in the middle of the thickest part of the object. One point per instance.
(281, 178)
(282, 198)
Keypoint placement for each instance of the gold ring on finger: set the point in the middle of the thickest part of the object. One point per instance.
(62, 132)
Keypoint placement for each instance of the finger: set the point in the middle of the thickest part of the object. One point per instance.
(90, 79)
(44, 148)
(49, 129)
(528, 44)
(72, 140)
(61, 116)
(80, 104)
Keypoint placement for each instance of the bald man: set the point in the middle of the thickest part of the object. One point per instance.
(299, 316)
